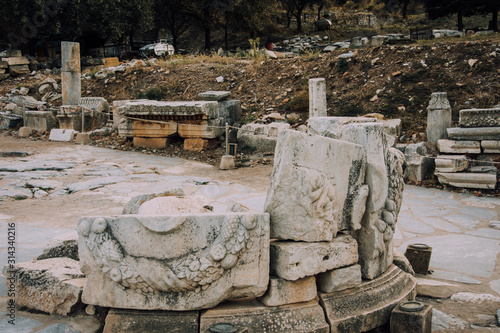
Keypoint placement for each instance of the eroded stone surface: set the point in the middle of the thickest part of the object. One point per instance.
(438, 117)
(306, 317)
(480, 117)
(52, 285)
(282, 292)
(369, 305)
(313, 187)
(209, 258)
(468, 179)
(295, 260)
(339, 279)
(260, 137)
(459, 147)
(135, 321)
(451, 163)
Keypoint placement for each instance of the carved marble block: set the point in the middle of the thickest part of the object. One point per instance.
(315, 188)
(384, 182)
(179, 262)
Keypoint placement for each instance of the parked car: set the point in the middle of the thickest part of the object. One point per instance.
(160, 49)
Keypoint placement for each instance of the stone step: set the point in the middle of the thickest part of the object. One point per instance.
(491, 146)
(468, 180)
(474, 133)
(458, 147)
(451, 163)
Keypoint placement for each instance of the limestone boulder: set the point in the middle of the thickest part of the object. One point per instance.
(52, 285)
(177, 262)
(315, 188)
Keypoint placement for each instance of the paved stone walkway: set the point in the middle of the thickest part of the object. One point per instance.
(463, 230)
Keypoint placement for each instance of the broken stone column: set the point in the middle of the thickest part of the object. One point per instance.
(317, 98)
(438, 117)
(70, 75)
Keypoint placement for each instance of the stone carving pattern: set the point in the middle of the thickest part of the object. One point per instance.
(394, 162)
(480, 118)
(192, 272)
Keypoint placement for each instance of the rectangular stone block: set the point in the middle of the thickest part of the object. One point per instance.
(52, 285)
(197, 144)
(2, 70)
(491, 146)
(459, 147)
(4, 64)
(40, 121)
(295, 260)
(155, 143)
(253, 316)
(312, 193)
(411, 322)
(340, 279)
(215, 95)
(135, 321)
(62, 135)
(82, 138)
(146, 129)
(331, 127)
(418, 168)
(205, 129)
(282, 292)
(209, 109)
(468, 180)
(480, 117)
(317, 97)
(209, 258)
(13, 53)
(19, 70)
(474, 133)
(368, 305)
(451, 163)
(16, 61)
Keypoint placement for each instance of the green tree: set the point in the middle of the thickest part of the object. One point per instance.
(296, 8)
(440, 8)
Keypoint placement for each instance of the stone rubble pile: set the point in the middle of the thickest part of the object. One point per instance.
(12, 63)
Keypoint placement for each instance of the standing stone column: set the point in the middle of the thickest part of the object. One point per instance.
(70, 75)
(438, 117)
(317, 98)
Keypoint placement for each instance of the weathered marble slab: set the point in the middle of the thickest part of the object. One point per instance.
(295, 260)
(491, 146)
(369, 305)
(451, 163)
(178, 262)
(468, 179)
(459, 147)
(253, 316)
(474, 133)
(480, 117)
(181, 108)
(315, 188)
(331, 127)
(260, 136)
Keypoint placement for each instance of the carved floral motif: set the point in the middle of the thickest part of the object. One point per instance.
(196, 271)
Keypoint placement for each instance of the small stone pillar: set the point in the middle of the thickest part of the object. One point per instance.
(411, 317)
(438, 117)
(317, 98)
(70, 75)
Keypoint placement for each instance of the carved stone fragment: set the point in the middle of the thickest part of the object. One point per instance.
(314, 184)
(179, 262)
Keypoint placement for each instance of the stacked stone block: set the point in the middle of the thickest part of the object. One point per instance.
(469, 157)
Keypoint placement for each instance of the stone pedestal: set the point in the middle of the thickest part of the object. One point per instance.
(70, 75)
(306, 317)
(82, 138)
(438, 117)
(317, 98)
(370, 304)
(227, 162)
(411, 322)
(24, 132)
